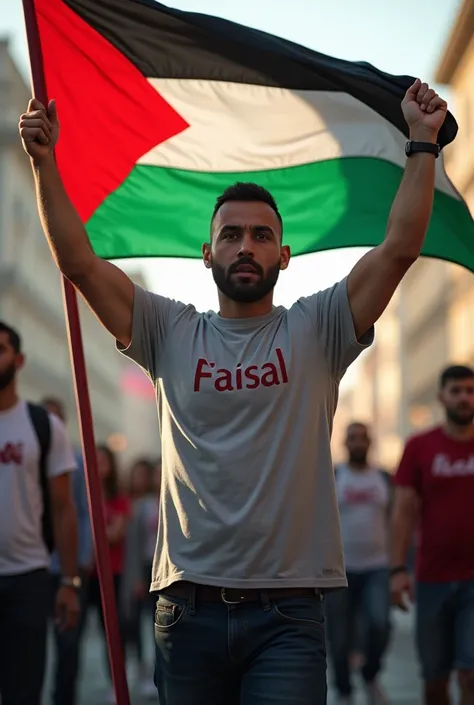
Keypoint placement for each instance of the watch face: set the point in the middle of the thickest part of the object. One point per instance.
(408, 149)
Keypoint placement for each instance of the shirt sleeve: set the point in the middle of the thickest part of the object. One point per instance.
(331, 317)
(61, 458)
(409, 472)
(153, 316)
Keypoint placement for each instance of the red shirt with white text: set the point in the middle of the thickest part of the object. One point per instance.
(441, 470)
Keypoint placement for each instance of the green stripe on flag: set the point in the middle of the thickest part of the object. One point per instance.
(160, 212)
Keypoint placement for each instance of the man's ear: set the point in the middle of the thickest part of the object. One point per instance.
(285, 256)
(206, 255)
(20, 361)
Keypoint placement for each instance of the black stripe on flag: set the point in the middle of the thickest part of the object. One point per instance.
(166, 43)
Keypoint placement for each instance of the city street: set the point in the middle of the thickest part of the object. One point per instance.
(401, 675)
(400, 678)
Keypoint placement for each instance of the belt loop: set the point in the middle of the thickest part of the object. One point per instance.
(265, 601)
(192, 599)
(319, 594)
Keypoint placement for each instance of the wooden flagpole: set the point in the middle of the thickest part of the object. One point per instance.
(76, 350)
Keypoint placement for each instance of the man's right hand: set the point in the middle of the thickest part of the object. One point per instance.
(39, 129)
(401, 587)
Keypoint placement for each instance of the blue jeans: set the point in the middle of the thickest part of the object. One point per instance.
(445, 627)
(367, 597)
(255, 653)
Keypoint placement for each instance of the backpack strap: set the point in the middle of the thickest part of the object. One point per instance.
(42, 425)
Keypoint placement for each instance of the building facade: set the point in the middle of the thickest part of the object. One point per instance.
(31, 296)
(430, 323)
(376, 397)
(437, 315)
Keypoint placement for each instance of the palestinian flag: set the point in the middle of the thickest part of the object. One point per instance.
(161, 109)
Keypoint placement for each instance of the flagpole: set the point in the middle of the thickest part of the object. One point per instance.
(76, 351)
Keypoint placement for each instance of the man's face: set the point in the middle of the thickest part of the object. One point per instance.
(246, 254)
(357, 443)
(457, 397)
(10, 362)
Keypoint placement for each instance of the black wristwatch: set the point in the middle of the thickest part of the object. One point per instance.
(398, 569)
(412, 147)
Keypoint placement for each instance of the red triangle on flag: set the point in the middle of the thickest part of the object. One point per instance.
(109, 113)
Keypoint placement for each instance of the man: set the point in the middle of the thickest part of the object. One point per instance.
(363, 493)
(248, 536)
(435, 491)
(25, 582)
(68, 642)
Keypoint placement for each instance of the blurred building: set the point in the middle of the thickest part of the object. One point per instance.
(437, 299)
(31, 297)
(30, 288)
(430, 323)
(376, 398)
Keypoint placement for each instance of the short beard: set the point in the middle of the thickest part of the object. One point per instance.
(248, 292)
(459, 420)
(358, 459)
(7, 376)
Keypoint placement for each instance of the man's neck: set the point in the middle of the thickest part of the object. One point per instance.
(8, 398)
(459, 433)
(237, 309)
(358, 466)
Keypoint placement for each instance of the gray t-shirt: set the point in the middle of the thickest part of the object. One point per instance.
(364, 498)
(246, 409)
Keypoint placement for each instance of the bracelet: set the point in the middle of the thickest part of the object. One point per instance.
(398, 569)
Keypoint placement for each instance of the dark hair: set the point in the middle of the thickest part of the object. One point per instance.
(150, 471)
(111, 482)
(13, 337)
(247, 191)
(455, 372)
(357, 424)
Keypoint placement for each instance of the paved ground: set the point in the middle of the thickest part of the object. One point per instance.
(401, 675)
(400, 678)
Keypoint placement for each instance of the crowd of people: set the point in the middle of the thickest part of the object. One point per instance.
(415, 521)
(258, 540)
(424, 508)
(36, 571)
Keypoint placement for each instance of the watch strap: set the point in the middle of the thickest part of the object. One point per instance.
(413, 147)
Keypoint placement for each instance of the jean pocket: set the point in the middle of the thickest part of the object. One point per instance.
(169, 611)
(303, 610)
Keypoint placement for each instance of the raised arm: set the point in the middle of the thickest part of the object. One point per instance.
(107, 290)
(375, 277)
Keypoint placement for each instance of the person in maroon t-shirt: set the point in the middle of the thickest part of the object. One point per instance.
(435, 494)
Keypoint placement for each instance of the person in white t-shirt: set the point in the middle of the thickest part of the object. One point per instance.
(364, 497)
(25, 580)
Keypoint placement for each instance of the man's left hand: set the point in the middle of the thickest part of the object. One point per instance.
(67, 607)
(424, 110)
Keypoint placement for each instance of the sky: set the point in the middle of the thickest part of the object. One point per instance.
(397, 36)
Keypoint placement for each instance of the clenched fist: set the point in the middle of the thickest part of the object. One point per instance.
(39, 129)
(424, 110)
